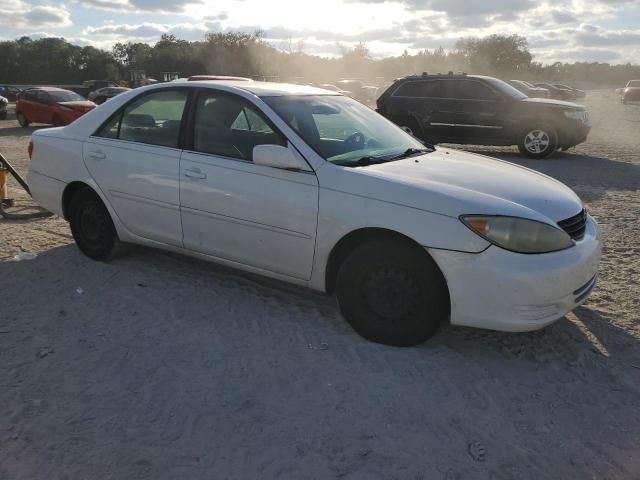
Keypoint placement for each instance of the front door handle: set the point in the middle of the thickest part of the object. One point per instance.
(194, 173)
(97, 155)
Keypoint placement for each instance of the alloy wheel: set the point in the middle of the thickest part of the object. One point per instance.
(537, 141)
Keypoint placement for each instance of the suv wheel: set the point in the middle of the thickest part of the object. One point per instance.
(22, 120)
(392, 293)
(538, 142)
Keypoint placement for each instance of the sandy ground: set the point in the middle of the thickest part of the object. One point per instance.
(157, 366)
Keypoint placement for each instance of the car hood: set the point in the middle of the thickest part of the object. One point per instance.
(552, 102)
(454, 183)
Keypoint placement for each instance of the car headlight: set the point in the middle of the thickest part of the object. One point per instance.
(518, 234)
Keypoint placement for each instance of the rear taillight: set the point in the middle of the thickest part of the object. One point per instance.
(30, 149)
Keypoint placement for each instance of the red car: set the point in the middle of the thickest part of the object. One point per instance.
(50, 105)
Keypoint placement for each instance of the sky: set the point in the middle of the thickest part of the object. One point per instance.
(567, 31)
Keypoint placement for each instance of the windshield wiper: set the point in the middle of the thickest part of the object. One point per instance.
(371, 160)
(367, 160)
(410, 152)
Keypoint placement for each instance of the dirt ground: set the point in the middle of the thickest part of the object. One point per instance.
(157, 366)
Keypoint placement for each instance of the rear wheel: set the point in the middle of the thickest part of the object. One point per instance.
(91, 225)
(22, 120)
(538, 141)
(392, 292)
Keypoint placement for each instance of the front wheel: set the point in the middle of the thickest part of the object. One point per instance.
(538, 141)
(91, 225)
(392, 292)
(22, 120)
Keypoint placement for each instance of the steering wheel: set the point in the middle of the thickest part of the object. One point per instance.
(355, 140)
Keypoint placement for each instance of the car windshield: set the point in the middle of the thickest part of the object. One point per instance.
(634, 83)
(342, 130)
(66, 97)
(506, 89)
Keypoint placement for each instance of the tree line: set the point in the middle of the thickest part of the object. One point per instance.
(56, 61)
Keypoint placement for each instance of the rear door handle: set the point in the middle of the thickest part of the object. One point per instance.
(194, 173)
(97, 155)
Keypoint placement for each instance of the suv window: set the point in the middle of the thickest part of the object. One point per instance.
(470, 90)
(153, 119)
(228, 126)
(420, 89)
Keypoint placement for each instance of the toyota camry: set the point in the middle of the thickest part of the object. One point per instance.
(310, 187)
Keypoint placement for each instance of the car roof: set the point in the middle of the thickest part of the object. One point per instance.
(261, 89)
(49, 89)
(435, 76)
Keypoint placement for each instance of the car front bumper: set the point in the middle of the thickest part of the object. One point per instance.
(575, 135)
(502, 290)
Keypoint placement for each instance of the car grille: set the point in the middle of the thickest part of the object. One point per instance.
(575, 226)
(584, 116)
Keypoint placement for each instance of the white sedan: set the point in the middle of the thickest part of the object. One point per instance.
(310, 187)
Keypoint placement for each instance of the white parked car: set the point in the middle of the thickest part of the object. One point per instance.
(313, 188)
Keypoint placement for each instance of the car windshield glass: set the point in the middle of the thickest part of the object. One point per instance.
(65, 97)
(505, 88)
(342, 130)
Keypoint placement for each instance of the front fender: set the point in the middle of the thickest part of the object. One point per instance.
(342, 213)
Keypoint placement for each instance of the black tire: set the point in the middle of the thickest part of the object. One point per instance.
(91, 225)
(3, 115)
(22, 120)
(538, 141)
(392, 292)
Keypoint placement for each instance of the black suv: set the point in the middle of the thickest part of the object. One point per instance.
(478, 110)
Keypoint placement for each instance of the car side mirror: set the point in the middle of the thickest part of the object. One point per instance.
(277, 156)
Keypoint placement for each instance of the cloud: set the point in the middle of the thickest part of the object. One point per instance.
(47, 17)
(137, 6)
(18, 14)
(142, 30)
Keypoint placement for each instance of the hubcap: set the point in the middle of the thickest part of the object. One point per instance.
(391, 293)
(537, 141)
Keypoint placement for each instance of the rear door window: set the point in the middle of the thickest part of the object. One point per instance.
(470, 90)
(43, 97)
(420, 89)
(153, 119)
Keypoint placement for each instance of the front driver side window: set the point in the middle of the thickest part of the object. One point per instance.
(228, 126)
